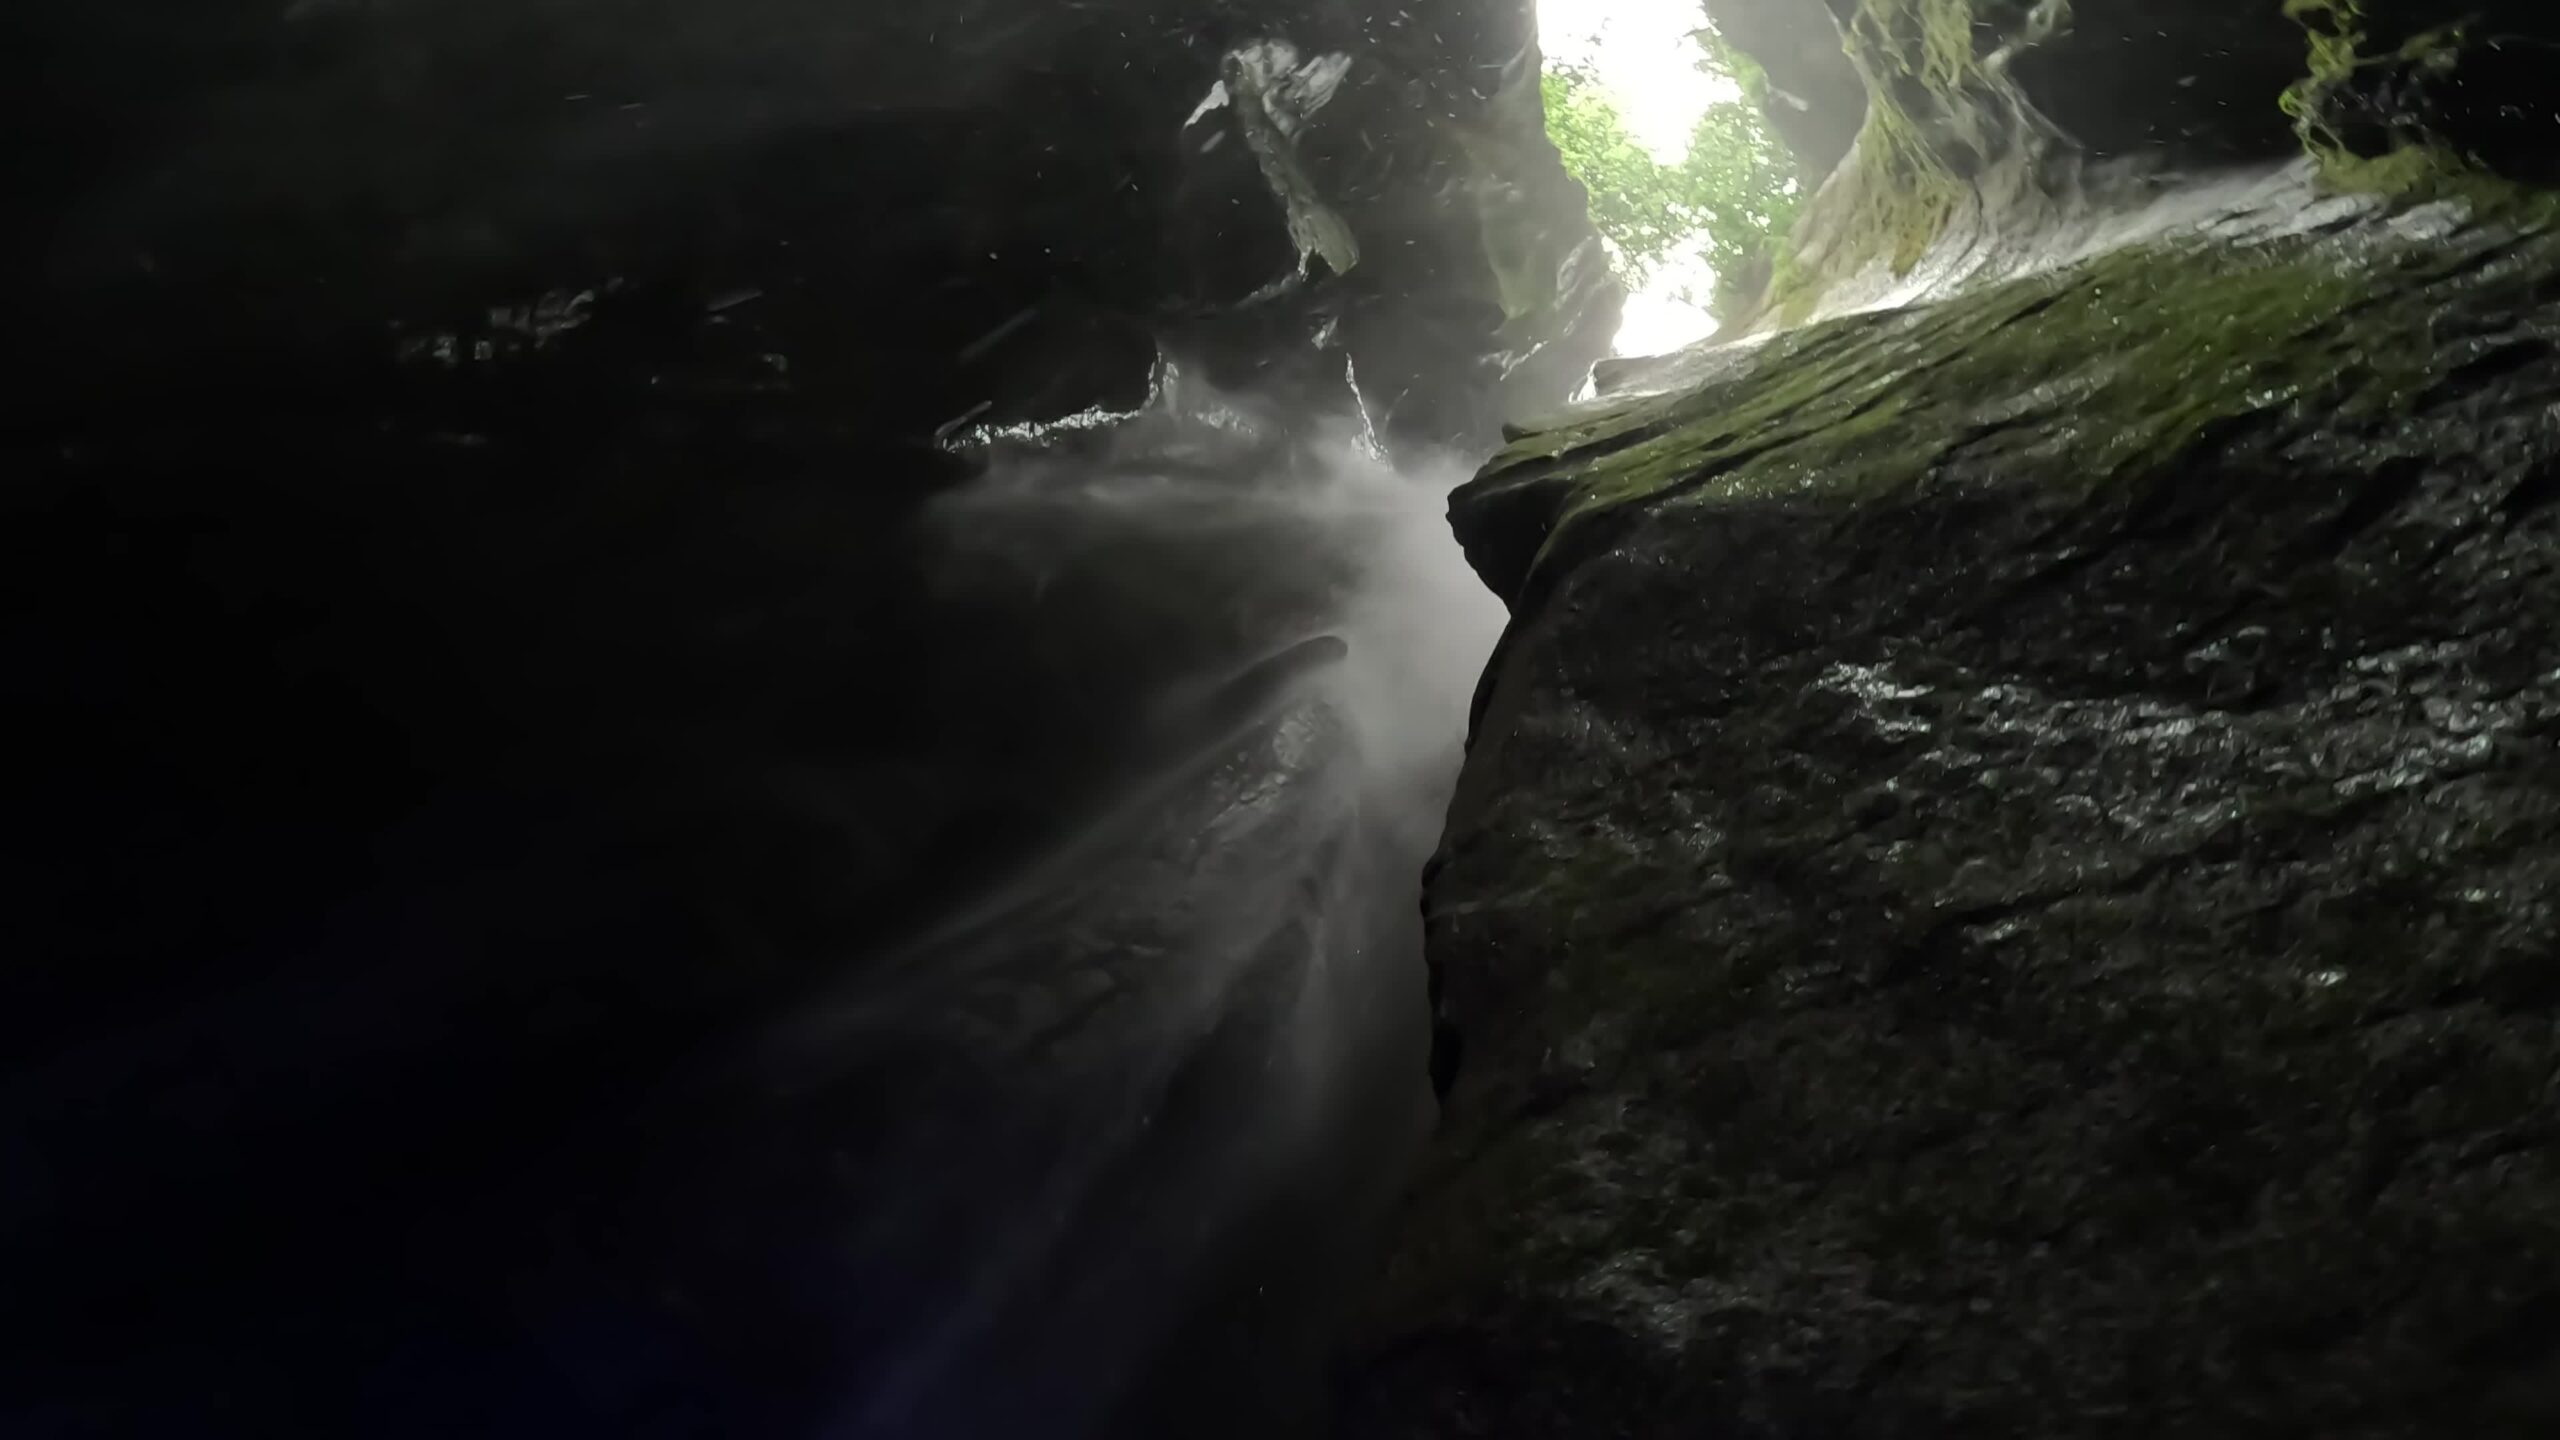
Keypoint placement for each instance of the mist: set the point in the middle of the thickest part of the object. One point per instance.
(1170, 1061)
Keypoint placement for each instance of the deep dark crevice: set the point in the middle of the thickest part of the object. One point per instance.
(587, 876)
(2500, 358)
(2531, 494)
(2375, 498)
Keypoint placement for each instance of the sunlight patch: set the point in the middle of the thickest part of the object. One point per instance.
(1642, 53)
(1688, 186)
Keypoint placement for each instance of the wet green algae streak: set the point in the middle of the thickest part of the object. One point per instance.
(1939, 111)
(2103, 374)
(2092, 375)
(2417, 168)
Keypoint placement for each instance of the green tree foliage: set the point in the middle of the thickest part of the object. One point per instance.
(1725, 203)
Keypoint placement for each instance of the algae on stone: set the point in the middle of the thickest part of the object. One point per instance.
(1972, 729)
(1939, 112)
(2129, 356)
(2388, 103)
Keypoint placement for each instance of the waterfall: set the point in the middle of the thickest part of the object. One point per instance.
(1156, 1083)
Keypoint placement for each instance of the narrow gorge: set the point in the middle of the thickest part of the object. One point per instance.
(793, 718)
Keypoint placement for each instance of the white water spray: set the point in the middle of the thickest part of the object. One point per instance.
(1207, 995)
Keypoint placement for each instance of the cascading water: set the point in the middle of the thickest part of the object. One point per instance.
(1092, 1149)
(1146, 1094)
(592, 885)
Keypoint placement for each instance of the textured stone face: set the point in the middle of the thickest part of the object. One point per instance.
(1987, 123)
(478, 659)
(982, 208)
(2001, 882)
(2017, 922)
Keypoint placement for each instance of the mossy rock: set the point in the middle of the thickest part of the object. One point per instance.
(1983, 114)
(2145, 350)
(2001, 881)
(2428, 96)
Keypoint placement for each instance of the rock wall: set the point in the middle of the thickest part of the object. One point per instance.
(1815, 100)
(951, 210)
(2001, 882)
(476, 653)
(1986, 127)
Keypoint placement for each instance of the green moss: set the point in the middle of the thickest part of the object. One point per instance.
(2113, 367)
(1928, 95)
(1792, 292)
(2417, 173)
(2336, 27)
(2111, 375)
(2337, 39)
(2418, 168)
(1727, 59)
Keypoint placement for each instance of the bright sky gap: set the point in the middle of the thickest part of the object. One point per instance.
(1644, 58)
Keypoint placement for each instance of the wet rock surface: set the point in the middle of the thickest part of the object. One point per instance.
(2007, 919)
(2001, 880)
(1989, 125)
(980, 211)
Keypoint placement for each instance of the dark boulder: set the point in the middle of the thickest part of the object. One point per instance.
(2001, 880)
(953, 210)
(2029, 917)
